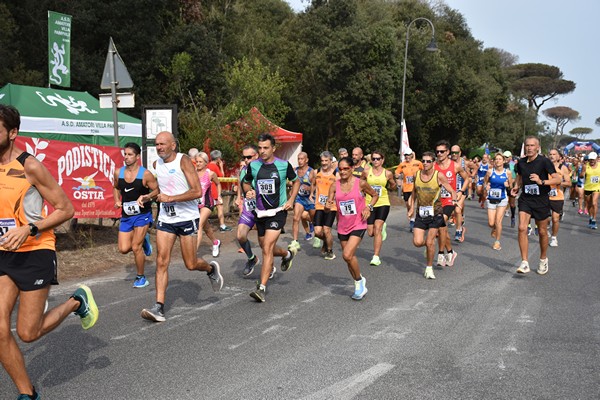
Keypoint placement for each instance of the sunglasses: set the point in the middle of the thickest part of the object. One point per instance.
(455, 152)
(247, 157)
(408, 155)
(427, 161)
(440, 151)
(376, 158)
(344, 168)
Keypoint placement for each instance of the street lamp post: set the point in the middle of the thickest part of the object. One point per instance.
(430, 47)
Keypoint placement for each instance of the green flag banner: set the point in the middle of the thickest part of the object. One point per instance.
(59, 49)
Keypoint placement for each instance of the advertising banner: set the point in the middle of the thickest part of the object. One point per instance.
(59, 49)
(84, 171)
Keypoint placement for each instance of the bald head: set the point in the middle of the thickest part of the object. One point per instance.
(165, 136)
(165, 146)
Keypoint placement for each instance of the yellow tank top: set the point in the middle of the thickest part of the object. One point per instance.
(378, 184)
(592, 178)
(428, 193)
(20, 204)
(323, 182)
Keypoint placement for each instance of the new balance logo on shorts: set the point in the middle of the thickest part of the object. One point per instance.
(38, 282)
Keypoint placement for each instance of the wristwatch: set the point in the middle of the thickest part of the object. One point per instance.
(370, 207)
(33, 230)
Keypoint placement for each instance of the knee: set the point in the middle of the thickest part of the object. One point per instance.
(136, 247)
(28, 335)
(124, 249)
(347, 256)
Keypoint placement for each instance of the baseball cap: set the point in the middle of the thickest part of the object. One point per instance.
(334, 159)
(507, 154)
(407, 151)
(592, 155)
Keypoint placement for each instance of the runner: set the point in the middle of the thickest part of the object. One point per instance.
(497, 180)
(450, 170)
(509, 164)
(178, 191)
(430, 213)
(324, 218)
(353, 212)
(535, 174)
(304, 207)
(591, 187)
(379, 178)
(579, 189)
(265, 181)
(206, 202)
(405, 175)
(131, 182)
(557, 195)
(216, 165)
(359, 162)
(482, 170)
(247, 218)
(28, 254)
(463, 187)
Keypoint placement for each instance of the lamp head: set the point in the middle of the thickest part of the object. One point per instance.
(432, 46)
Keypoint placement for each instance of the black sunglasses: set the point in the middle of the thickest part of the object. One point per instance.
(440, 151)
(427, 161)
(455, 152)
(376, 158)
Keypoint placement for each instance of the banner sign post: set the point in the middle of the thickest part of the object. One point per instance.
(59, 49)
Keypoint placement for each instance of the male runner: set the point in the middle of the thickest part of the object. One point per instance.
(535, 175)
(247, 218)
(178, 191)
(27, 253)
(450, 170)
(591, 187)
(324, 218)
(359, 162)
(304, 206)
(463, 187)
(482, 170)
(131, 182)
(405, 177)
(557, 194)
(265, 181)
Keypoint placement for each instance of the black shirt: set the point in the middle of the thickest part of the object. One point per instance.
(541, 166)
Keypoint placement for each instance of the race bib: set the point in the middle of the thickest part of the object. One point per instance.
(377, 189)
(495, 193)
(348, 207)
(532, 190)
(553, 192)
(169, 209)
(410, 180)
(323, 199)
(444, 194)
(131, 208)
(250, 204)
(304, 190)
(426, 211)
(595, 179)
(266, 186)
(6, 224)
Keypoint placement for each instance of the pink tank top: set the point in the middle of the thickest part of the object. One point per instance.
(349, 207)
(206, 200)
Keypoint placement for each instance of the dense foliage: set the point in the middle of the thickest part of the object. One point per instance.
(333, 72)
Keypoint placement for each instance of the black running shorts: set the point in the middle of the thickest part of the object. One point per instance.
(30, 270)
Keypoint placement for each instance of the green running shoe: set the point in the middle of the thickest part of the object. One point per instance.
(88, 310)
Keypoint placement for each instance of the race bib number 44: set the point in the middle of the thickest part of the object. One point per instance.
(131, 208)
(266, 186)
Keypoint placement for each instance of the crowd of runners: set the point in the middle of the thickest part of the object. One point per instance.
(348, 194)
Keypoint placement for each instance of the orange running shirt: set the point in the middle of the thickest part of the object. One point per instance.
(409, 170)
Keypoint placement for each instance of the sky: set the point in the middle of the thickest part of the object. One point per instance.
(554, 32)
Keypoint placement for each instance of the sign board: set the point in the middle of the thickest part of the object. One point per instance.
(124, 100)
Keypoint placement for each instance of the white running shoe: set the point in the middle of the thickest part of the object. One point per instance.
(450, 258)
(441, 261)
(553, 241)
(216, 249)
(429, 273)
(543, 267)
(523, 268)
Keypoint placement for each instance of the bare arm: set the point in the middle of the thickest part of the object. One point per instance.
(116, 191)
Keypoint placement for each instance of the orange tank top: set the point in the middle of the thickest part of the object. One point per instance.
(20, 204)
(323, 183)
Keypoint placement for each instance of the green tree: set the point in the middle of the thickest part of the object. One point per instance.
(561, 116)
(580, 132)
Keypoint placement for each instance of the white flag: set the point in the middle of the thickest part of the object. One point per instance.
(403, 140)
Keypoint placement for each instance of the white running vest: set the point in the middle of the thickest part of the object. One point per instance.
(172, 181)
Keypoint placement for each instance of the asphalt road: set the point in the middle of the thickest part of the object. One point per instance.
(479, 331)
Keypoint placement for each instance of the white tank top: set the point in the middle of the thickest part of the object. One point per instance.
(172, 181)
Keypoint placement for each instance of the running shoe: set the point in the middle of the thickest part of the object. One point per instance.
(580, 211)
(88, 310)
(329, 255)
(593, 224)
(215, 277)
(586, 212)
(286, 263)
(250, 264)
(311, 227)
(536, 231)
(360, 289)
(259, 293)
(309, 236)
(273, 271)
(451, 222)
(429, 273)
(412, 225)
(384, 232)
(147, 246)
(523, 268)
(317, 243)
(441, 261)
(295, 244)
(225, 228)
(506, 213)
(529, 230)
(34, 396)
(375, 261)
(543, 267)
(496, 245)
(140, 282)
(457, 235)
(216, 249)
(553, 242)
(512, 222)
(155, 314)
(450, 258)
